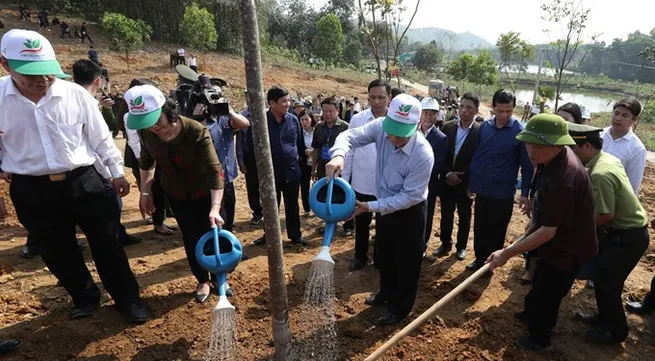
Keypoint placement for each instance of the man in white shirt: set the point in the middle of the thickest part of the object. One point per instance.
(358, 107)
(50, 133)
(193, 64)
(360, 169)
(620, 141)
(87, 74)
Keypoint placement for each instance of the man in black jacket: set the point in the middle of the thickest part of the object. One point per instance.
(462, 140)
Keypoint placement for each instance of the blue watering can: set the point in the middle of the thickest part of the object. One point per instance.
(332, 205)
(220, 256)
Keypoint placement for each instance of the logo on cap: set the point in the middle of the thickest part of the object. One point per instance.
(32, 46)
(137, 104)
(403, 110)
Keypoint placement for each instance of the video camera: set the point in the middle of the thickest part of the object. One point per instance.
(200, 90)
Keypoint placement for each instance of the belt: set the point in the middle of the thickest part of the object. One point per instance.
(57, 177)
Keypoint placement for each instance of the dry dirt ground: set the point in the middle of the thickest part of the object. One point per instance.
(477, 325)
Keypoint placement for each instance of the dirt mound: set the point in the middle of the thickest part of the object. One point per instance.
(477, 325)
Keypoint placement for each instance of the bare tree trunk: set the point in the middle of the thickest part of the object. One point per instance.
(254, 84)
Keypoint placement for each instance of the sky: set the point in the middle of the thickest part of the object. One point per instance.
(609, 18)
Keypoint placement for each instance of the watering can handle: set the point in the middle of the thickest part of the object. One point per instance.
(329, 195)
(217, 250)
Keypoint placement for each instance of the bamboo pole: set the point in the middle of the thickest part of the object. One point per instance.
(430, 312)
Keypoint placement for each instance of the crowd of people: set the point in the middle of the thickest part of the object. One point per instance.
(401, 155)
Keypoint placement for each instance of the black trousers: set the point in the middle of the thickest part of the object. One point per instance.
(289, 191)
(619, 254)
(252, 186)
(400, 252)
(193, 218)
(432, 204)
(228, 208)
(492, 217)
(541, 307)
(50, 210)
(362, 229)
(650, 296)
(305, 181)
(158, 195)
(194, 68)
(449, 201)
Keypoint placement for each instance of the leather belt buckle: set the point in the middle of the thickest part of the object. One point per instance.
(57, 177)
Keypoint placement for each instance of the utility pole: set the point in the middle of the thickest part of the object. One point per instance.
(536, 87)
(253, 62)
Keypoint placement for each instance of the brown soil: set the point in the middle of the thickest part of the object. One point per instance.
(477, 325)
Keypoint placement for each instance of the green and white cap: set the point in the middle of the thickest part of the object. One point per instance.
(29, 53)
(403, 116)
(144, 103)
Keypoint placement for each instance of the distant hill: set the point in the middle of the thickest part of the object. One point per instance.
(462, 41)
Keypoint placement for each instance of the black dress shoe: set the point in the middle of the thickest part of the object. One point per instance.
(261, 241)
(29, 252)
(441, 251)
(83, 311)
(592, 320)
(461, 254)
(357, 263)
(527, 344)
(521, 317)
(602, 335)
(130, 240)
(374, 301)
(135, 313)
(640, 308)
(299, 242)
(8, 345)
(388, 319)
(474, 266)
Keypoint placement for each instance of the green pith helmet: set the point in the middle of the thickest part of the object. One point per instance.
(546, 129)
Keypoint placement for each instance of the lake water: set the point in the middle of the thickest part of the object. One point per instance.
(593, 102)
(534, 69)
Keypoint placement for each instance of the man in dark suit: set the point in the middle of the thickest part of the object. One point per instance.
(462, 137)
(439, 144)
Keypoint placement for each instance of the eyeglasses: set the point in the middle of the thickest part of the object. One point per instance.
(538, 135)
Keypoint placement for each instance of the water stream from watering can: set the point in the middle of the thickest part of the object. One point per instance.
(318, 315)
(223, 342)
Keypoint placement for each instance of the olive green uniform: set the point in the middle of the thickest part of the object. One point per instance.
(622, 242)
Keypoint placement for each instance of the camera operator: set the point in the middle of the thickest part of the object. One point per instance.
(223, 130)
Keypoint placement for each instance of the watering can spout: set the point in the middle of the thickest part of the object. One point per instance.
(324, 255)
(223, 303)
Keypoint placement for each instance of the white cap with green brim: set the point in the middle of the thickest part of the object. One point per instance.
(144, 103)
(29, 53)
(403, 116)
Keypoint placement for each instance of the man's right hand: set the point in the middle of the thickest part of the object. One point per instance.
(106, 103)
(334, 167)
(453, 178)
(470, 194)
(146, 205)
(5, 176)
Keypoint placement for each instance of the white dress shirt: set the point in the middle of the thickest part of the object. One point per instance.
(462, 134)
(133, 139)
(192, 61)
(360, 162)
(358, 107)
(402, 175)
(632, 153)
(308, 137)
(64, 131)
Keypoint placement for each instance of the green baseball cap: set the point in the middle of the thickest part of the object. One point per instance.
(144, 103)
(546, 129)
(29, 53)
(403, 116)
